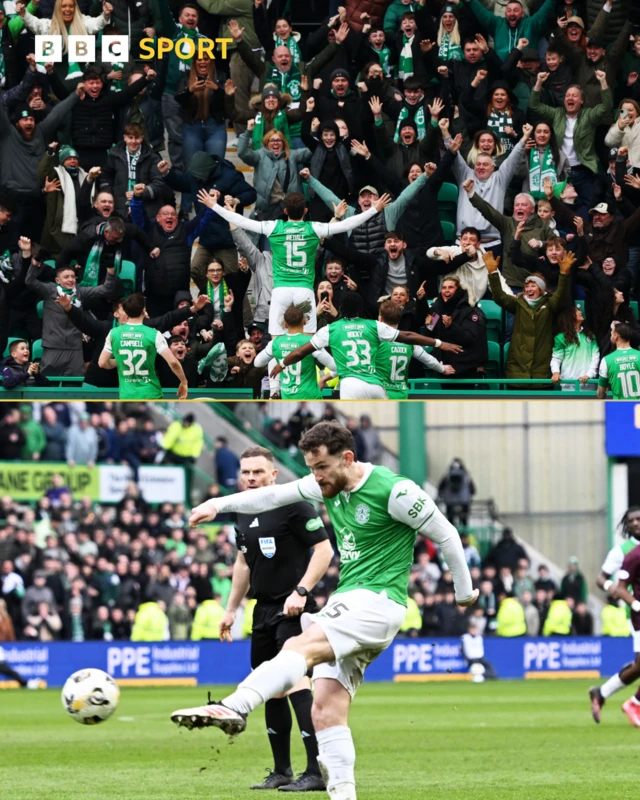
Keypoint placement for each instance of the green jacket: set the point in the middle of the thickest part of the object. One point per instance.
(35, 442)
(532, 339)
(584, 134)
(535, 228)
(241, 11)
(176, 68)
(151, 624)
(392, 15)
(506, 38)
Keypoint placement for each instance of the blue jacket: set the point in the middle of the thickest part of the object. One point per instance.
(227, 180)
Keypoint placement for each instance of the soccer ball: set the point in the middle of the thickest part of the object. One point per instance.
(90, 696)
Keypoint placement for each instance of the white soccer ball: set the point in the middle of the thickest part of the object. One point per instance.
(90, 696)
(477, 673)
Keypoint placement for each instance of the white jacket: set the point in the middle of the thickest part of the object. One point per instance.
(629, 137)
(42, 26)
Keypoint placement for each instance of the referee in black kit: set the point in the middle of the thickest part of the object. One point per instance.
(282, 554)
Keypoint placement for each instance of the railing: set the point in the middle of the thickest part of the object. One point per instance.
(74, 389)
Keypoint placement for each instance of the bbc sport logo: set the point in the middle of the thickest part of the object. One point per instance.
(115, 49)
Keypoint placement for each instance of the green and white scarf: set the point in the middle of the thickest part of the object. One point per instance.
(117, 86)
(132, 163)
(92, 266)
(286, 81)
(280, 123)
(497, 122)
(384, 57)
(418, 118)
(72, 293)
(216, 361)
(539, 170)
(291, 43)
(405, 62)
(74, 70)
(448, 51)
(220, 293)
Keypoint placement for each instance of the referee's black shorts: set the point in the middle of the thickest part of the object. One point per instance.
(271, 629)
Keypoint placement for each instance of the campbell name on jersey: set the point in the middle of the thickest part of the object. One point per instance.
(375, 527)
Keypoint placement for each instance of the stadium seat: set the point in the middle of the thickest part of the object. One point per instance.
(10, 340)
(492, 367)
(493, 313)
(449, 232)
(40, 308)
(448, 202)
(127, 275)
(505, 353)
(36, 351)
(634, 308)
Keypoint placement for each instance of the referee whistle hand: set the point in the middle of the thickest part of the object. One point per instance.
(294, 605)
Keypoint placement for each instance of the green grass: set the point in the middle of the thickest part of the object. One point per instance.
(500, 741)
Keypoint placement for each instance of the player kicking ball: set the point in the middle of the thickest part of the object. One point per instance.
(376, 515)
(620, 577)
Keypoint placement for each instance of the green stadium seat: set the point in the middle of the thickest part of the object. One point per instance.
(40, 308)
(36, 351)
(492, 367)
(493, 313)
(10, 340)
(127, 275)
(449, 232)
(505, 353)
(634, 308)
(448, 202)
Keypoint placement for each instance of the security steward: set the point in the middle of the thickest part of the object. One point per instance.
(282, 554)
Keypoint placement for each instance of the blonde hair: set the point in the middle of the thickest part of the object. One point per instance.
(59, 28)
(245, 341)
(454, 36)
(269, 136)
(475, 150)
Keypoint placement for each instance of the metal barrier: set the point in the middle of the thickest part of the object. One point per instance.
(86, 392)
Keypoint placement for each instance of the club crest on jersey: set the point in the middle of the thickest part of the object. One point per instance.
(267, 546)
(362, 514)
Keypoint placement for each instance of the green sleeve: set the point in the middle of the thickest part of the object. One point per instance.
(393, 212)
(504, 300)
(600, 25)
(327, 196)
(562, 296)
(169, 27)
(548, 113)
(484, 16)
(559, 346)
(321, 60)
(596, 114)
(226, 7)
(16, 24)
(489, 213)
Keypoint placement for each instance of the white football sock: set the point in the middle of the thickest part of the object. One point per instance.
(337, 758)
(612, 686)
(270, 679)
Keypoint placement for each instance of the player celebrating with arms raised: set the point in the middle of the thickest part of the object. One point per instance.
(294, 244)
(132, 349)
(376, 516)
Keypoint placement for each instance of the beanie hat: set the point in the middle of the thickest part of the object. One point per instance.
(270, 90)
(340, 73)
(66, 151)
(408, 123)
(22, 111)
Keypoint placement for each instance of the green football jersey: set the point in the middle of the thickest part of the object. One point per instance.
(354, 346)
(392, 366)
(375, 527)
(134, 348)
(297, 381)
(294, 245)
(620, 371)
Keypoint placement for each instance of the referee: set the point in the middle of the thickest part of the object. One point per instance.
(275, 562)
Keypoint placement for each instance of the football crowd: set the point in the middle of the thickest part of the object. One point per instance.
(461, 150)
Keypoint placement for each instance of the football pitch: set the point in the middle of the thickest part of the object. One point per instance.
(496, 741)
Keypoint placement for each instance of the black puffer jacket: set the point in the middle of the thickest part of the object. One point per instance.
(468, 329)
(619, 14)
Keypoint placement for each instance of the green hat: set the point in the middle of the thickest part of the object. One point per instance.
(66, 151)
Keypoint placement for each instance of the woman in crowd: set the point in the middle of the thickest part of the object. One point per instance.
(276, 167)
(449, 39)
(575, 350)
(500, 115)
(544, 160)
(487, 143)
(326, 312)
(625, 131)
(452, 319)
(614, 307)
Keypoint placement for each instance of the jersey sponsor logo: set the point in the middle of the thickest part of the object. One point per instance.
(363, 513)
(255, 523)
(347, 546)
(267, 546)
(314, 524)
